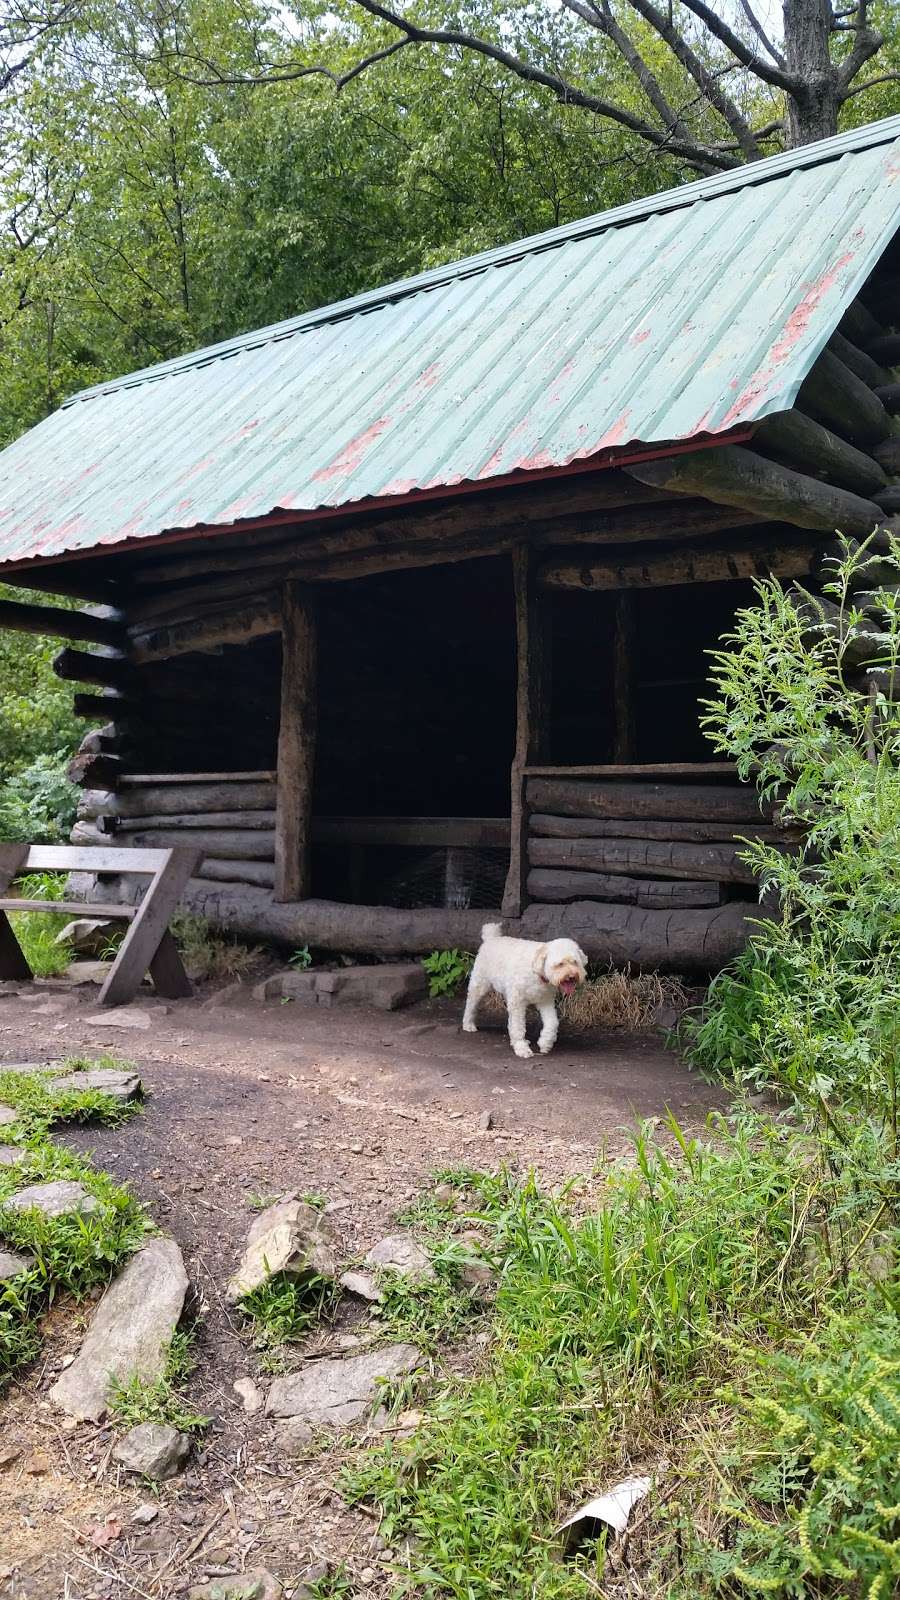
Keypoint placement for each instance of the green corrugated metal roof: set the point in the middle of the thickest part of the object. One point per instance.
(685, 316)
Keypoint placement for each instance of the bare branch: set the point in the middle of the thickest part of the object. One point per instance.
(867, 44)
(761, 34)
(870, 83)
(704, 79)
(776, 75)
(602, 17)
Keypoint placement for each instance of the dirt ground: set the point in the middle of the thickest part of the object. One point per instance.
(245, 1100)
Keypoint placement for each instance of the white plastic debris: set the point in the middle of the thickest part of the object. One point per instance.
(614, 1508)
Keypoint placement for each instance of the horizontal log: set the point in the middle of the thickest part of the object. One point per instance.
(154, 780)
(884, 349)
(251, 914)
(224, 871)
(93, 803)
(58, 622)
(95, 770)
(704, 832)
(653, 858)
(146, 800)
(78, 582)
(258, 820)
(506, 510)
(798, 442)
(638, 769)
(675, 941)
(108, 740)
(860, 361)
(701, 566)
(581, 797)
(860, 325)
(881, 293)
(223, 626)
(887, 454)
(243, 844)
(740, 477)
(889, 500)
(560, 886)
(834, 395)
(889, 395)
(85, 666)
(101, 707)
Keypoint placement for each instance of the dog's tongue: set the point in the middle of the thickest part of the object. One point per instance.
(568, 986)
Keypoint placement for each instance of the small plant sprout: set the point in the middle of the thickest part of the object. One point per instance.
(301, 960)
(447, 971)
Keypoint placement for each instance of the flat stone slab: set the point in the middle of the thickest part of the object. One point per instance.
(27, 1066)
(362, 1284)
(110, 1080)
(154, 1449)
(64, 1198)
(387, 987)
(254, 1584)
(130, 1331)
(11, 1154)
(290, 1237)
(120, 1017)
(88, 934)
(8, 1115)
(399, 1253)
(335, 1394)
(81, 972)
(13, 1263)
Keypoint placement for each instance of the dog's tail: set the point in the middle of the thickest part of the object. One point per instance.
(491, 930)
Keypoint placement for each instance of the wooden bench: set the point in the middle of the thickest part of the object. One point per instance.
(147, 946)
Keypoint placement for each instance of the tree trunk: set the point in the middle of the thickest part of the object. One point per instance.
(812, 113)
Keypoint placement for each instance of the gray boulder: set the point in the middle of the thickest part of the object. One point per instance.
(89, 935)
(13, 1263)
(110, 1080)
(399, 1253)
(154, 1449)
(291, 1237)
(130, 1331)
(335, 1394)
(64, 1198)
(255, 1584)
(8, 1115)
(11, 1155)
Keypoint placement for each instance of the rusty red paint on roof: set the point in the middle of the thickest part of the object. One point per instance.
(654, 328)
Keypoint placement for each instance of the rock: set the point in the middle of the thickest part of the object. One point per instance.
(11, 1154)
(362, 1284)
(8, 1115)
(9, 1455)
(120, 1017)
(445, 1194)
(476, 1274)
(13, 1263)
(251, 1397)
(294, 1437)
(387, 987)
(225, 997)
(485, 1122)
(256, 1583)
(145, 1513)
(154, 1449)
(89, 935)
(399, 1253)
(130, 1331)
(334, 1394)
(291, 1237)
(37, 1464)
(63, 1198)
(27, 1067)
(111, 1081)
(81, 972)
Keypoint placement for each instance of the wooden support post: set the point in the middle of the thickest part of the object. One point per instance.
(296, 743)
(12, 960)
(532, 717)
(624, 734)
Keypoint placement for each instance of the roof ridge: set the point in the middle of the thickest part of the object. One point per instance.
(748, 175)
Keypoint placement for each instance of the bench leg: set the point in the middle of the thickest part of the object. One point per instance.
(167, 971)
(141, 943)
(12, 959)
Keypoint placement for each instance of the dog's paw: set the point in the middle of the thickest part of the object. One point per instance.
(546, 1047)
(523, 1050)
(469, 1027)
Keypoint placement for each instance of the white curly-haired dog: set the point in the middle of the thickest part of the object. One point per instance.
(524, 973)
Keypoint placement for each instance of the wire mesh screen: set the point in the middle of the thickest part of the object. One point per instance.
(455, 878)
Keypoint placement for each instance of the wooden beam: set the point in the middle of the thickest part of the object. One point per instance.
(887, 454)
(860, 362)
(228, 625)
(690, 802)
(12, 960)
(138, 950)
(799, 442)
(884, 349)
(542, 824)
(733, 475)
(736, 563)
(296, 744)
(559, 886)
(532, 716)
(91, 770)
(647, 858)
(889, 395)
(58, 622)
(87, 666)
(102, 707)
(673, 941)
(834, 395)
(858, 324)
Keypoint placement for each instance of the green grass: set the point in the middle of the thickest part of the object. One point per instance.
(616, 1338)
(37, 931)
(72, 1254)
(284, 1310)
(163, 1399)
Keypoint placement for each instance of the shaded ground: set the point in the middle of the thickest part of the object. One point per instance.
(246, 1101)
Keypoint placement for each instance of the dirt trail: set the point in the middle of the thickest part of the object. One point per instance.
(243, 1101)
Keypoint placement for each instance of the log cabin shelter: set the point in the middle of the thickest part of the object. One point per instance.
(399, 609)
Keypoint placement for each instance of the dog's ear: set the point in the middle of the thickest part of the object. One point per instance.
(582, 957)
(537, 961)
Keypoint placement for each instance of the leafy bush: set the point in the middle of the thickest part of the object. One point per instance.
(38, 802)
(447, 970)
(813, 1005)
